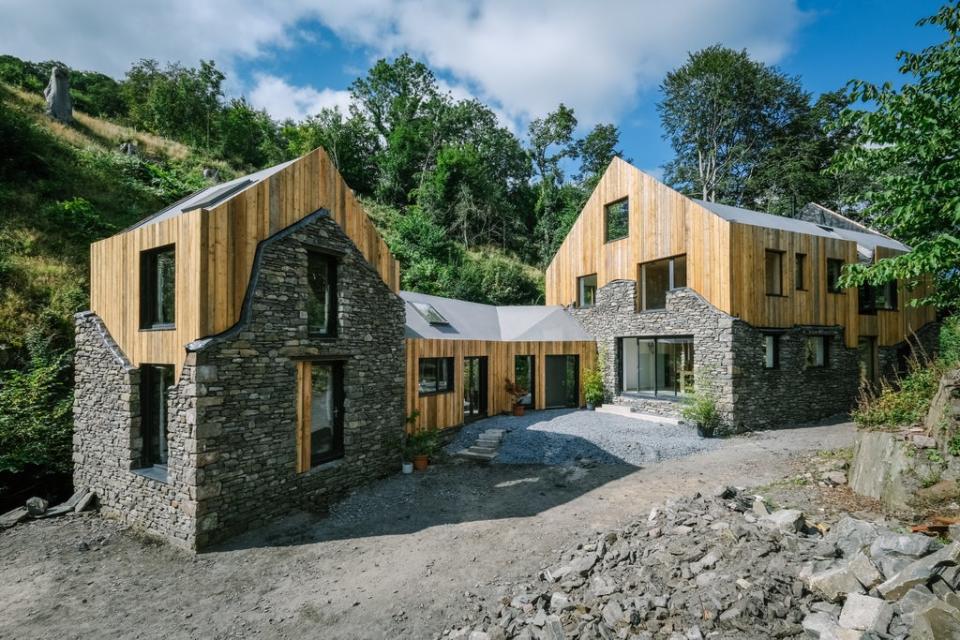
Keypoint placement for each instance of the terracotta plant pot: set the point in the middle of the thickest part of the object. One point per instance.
(518, 409)
(420, 462)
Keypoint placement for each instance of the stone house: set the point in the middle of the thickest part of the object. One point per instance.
(248, 351)
(681, 293)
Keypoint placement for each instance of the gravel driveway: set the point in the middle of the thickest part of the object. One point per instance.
(561, 436)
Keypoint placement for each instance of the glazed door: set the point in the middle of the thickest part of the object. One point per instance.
(562, 381)
(474, 388)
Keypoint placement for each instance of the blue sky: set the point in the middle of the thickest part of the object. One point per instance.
(605, 58)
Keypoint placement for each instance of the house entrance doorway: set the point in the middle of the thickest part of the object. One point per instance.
(474, 388)
(562, 381)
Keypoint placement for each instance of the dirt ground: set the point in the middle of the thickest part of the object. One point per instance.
(401, 558)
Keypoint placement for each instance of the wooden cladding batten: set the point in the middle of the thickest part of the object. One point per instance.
(215, 249)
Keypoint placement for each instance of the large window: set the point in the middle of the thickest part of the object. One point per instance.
(799, 272)
(155, 379)
(320, 413)
(657, 366)
(436, 376)
(658, 277)
(834, 269)
(882, 297)
(817, 352)
(773, 268)
(587, 291)
(616, 220)
(322, 298)
(158, 288)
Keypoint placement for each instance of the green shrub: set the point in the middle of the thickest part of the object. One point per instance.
(950, 342)
(894, 407)
(701, 409)
(36, 423)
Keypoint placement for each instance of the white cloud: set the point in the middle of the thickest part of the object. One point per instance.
(283, 100)
(524, 57)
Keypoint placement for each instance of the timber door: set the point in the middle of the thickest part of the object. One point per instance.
(474, 388)
(562, 381)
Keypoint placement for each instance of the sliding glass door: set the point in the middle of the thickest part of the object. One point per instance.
(657, 366)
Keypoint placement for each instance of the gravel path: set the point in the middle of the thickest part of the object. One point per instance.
(562, 436)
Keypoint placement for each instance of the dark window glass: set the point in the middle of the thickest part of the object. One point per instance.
(155, 379)
(771, 351)
(773, 268)
(322, 298)
(524, 372)
(658, 277)
(616, 220)
(587, 291)
(834, 268)
(872, 298)
(867, 350)
(158, 288)
(436, 375)
(799, 273)
(326, 412)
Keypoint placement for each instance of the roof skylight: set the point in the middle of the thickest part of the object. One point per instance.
(429, 314)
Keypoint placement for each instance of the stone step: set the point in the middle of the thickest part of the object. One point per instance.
(470, 454)
(478, 448)
(626, 412)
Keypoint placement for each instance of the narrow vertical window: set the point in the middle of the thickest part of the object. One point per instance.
(834, 269)
(773, 268)
(771, 351)
(155, 380)
(799, 275)
(816, 352)
(587, 291)
(319, 413)
(616, 220)
(158, 288)
(322, 297)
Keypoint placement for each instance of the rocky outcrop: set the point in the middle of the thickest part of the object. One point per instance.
(57, 94)
(724, 566)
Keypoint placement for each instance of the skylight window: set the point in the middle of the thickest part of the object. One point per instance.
(429, 314)
(825, 227)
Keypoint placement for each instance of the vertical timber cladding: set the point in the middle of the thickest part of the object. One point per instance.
(446, 409)
(215, 249)
(892, 327)
(663, 223)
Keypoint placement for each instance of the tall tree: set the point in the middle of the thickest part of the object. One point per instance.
(550, 142)
(720, 110)
(350, 142)
(595, 151)
(909, 142)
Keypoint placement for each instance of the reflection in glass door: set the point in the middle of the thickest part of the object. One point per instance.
(562, 381)
(657, 366)
(474, 388)
(525, 376)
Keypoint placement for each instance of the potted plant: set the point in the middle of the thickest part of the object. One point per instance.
(593, 388)
(423, 444)
(517, 392)
(701, 409)
(403, 443)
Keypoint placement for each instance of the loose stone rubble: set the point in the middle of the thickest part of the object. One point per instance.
(728, 565)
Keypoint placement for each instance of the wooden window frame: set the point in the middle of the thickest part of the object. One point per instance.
(148, 289)
(305, 458)
(780, 254)
(451, 376)
(580, 280)
(800, 272)
(332, 261)
(834, 288)
(606, 220)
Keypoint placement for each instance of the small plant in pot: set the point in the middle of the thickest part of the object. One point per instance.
(403, 443)
(517, 392)
(593, 388)
(701, 409)
(423, 444)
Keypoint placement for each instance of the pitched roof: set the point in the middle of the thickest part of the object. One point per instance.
(211, 196)
(867, 241)
(475, 321)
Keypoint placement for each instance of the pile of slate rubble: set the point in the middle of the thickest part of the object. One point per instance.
(726, 565)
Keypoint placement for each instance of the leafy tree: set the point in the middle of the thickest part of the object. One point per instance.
(350, 142)
(595, 151)
(248, 137)
(908, 142)
(720, 111)
(550, 142)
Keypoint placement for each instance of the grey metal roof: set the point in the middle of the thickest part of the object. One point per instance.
(475, 321)
(211, 196)
(866, 241)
